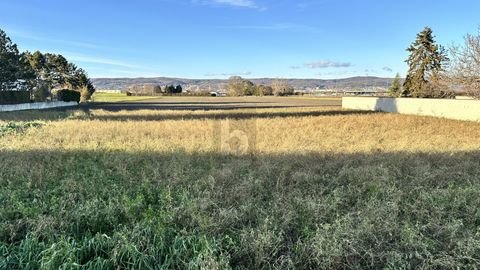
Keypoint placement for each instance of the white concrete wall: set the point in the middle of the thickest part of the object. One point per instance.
(464, 97)
(447, 108)
(36, 106)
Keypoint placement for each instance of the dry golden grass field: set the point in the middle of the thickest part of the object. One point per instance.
(266, 188)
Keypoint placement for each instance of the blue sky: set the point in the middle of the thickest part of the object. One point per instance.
(218, 38)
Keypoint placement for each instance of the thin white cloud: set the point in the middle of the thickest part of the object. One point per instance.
(232, 3)
(99, 60)
(327, 64)
(119, 72)
(292, 27)
(26, 35)
(237, 3)
(304, 5)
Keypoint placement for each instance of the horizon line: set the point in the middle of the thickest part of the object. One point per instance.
(248, 78)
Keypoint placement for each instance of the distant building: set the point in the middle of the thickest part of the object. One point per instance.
(369, 91)
(217, 94)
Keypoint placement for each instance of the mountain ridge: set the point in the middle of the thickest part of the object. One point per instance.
(221, 84)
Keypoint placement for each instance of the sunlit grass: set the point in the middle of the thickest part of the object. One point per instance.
(287, 131)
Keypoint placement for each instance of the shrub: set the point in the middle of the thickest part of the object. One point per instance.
(41, 92)
(68, 95)
(129, 94)
(14, 97)
(263, 90)
(85, 94)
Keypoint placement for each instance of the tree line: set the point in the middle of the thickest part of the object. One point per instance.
(238, 86)
(155, 89)
(435, 72)
(39, 73)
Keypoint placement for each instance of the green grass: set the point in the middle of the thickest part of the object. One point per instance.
(117, 210)
(96, 192)
(18, 127)
(116, 97)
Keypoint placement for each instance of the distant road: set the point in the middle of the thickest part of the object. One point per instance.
(218, 103)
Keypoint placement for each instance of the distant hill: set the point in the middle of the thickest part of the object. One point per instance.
(218, 84)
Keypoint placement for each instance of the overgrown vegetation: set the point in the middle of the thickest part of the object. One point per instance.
(319, 190)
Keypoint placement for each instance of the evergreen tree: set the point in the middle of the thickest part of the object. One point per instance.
(425, 62)
(37, 72)
(178, 89)
(59, 70)
(55, 71)
(14, 67)
(8, 61)
(395, 90)
(25, 73)
(79, 81)
(170, 89)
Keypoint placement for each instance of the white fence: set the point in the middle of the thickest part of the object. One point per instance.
(446, 108)
(36, 106)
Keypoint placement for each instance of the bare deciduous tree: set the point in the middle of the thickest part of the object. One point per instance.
(135, 89)
(465, 65)
(281, 88)
(235, 86)
(157, 89)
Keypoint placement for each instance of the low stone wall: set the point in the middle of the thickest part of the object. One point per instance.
(446, 108)
(36, 106)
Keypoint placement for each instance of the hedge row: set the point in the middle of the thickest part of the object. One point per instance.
(68, 95)
(14, 97)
